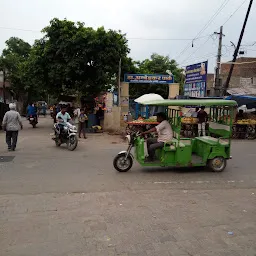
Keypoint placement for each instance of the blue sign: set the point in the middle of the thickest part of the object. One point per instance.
(196, 80)
(148, 79)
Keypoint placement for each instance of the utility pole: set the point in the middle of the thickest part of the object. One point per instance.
(4, 79)
(237, 49)
(217, 82)
(119, 82)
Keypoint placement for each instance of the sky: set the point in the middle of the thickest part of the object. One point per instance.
(151, 26)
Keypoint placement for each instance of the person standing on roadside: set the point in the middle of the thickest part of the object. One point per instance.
(82, 119)
(202, 120)
(77, 112)
(12, 124)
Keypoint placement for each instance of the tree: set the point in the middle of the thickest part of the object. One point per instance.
(157, 64)
(13, 60)
(72, 57)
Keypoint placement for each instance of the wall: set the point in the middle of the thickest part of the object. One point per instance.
(112, 119)
(174, 90)
(124, 102)
(112, 114)
(247, 70)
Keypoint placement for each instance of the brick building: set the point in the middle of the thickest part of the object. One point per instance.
(210, 83)
(243, 80)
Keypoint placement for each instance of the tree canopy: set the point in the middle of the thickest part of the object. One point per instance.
(72, 58)
(157, 64)
(13, 60)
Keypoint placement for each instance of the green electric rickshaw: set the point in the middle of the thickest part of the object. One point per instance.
(212, 150)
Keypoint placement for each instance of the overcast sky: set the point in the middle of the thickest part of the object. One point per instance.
(140, 19)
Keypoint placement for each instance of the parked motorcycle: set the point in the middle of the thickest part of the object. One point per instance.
(33, 121)
(66, 135)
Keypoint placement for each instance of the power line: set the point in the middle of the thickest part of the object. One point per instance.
(165, 39)
(21, 29)
(196, 50)
(222, 25)
(130, 38)
(205, 27)
(239, 63)
(234, 12)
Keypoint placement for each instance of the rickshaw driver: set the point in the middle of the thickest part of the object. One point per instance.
(165, 134)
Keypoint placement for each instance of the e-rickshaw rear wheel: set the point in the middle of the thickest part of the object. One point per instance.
(217, 164)
(123, 163)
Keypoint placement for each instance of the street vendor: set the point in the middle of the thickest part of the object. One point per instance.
(240, 129)
(165, 134)
(240, 115)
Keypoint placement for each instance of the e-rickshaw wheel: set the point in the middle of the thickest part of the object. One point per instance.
(121, 164)
(217, 164)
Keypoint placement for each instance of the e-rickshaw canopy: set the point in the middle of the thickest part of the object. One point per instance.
(206, 103)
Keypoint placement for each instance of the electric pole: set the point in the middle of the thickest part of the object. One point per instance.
(119, 82)
(4, 80)
(237, 49)
(217, 82)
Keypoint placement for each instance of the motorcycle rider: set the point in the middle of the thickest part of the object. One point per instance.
(32, 111)
(63, 118)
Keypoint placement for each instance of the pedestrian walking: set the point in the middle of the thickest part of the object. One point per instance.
(12, 124)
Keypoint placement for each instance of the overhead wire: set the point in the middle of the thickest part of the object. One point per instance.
(184, 61)
(205, 27)
(130, 38)
(234, 12)
(222, 25)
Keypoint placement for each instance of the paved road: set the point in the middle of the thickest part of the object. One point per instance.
(57, 202)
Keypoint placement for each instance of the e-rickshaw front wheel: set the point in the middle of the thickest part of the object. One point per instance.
(122, 162)
(217, 164)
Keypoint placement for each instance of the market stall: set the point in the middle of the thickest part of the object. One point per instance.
(245, 128)
(141, 125)
(245, 121)
(189, 127)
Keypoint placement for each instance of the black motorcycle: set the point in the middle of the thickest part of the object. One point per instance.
(33, 121)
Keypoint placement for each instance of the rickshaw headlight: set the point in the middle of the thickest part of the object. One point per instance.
(128, 138)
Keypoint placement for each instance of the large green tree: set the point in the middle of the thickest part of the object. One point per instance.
(13, 61)
(157, 64)
(72, 57)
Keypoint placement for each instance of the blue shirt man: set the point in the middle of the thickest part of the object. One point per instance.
(31, 110)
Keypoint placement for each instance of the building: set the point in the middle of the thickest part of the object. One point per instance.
(243, 80)
(210, 84)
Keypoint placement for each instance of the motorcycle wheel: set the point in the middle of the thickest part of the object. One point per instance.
(72, 143)
(34, 125)
(122, 165)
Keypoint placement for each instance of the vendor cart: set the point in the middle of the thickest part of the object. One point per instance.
(139, 126)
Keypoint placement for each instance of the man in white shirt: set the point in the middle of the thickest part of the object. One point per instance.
(63, 118)
(12, 124)
(77, 112)
(195, 113)
(165, 134)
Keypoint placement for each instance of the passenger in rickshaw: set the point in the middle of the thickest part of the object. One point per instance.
(165, 134)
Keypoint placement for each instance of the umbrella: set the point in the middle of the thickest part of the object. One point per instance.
(148, 97)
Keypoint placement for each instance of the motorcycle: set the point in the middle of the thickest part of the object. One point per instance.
(33, 121)
(66, 135)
